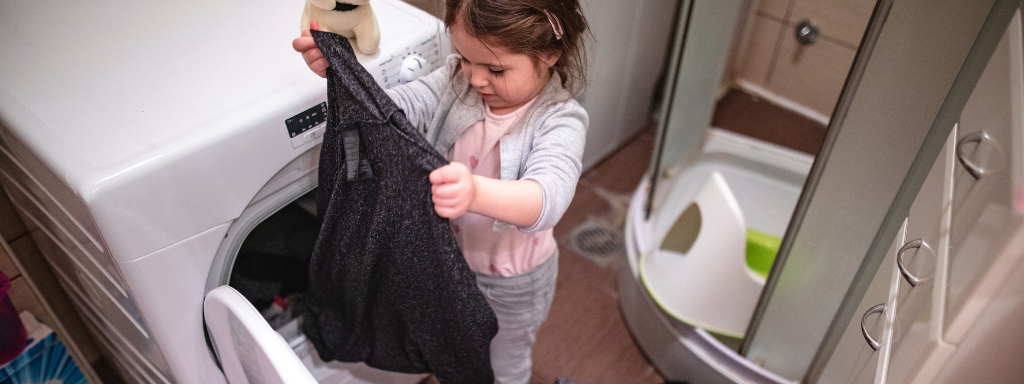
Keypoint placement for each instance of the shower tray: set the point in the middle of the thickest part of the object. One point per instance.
(766, 181)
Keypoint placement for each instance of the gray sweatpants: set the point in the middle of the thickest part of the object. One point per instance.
(521, 303)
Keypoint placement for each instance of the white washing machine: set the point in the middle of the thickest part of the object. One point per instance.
(145, 141)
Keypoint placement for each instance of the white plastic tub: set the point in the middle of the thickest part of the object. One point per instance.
(766, 181)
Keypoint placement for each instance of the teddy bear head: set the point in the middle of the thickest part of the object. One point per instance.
(331, 4)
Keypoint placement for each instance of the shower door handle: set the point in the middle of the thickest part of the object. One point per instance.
(878, 309)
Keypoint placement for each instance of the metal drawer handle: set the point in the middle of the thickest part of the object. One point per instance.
(915, 244)
(972, 168)
(878, 309)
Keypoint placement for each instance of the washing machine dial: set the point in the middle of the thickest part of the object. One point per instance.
(413, 67)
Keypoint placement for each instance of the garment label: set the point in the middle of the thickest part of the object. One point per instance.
(356, 165)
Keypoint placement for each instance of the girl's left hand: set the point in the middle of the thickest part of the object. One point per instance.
(311, 54)
(453, 190)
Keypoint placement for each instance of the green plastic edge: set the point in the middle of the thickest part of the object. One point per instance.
(761, 250)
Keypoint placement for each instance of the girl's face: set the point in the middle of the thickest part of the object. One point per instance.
(505, 80)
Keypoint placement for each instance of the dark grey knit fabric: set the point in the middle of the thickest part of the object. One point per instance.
(388, 284)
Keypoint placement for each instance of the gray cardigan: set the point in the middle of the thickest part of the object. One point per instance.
(546, 145)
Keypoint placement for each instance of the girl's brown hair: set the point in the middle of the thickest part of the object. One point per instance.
(523, 27)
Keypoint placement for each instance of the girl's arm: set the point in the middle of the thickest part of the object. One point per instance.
(312, 55)
(456, 191)
(421, 97)
(535, 202)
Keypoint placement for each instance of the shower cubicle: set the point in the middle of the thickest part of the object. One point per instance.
(892, 255)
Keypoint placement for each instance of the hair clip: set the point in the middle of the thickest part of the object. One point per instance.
(554, 20)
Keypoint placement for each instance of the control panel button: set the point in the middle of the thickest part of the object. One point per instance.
(309, 136)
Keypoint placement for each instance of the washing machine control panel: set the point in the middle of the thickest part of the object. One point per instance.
(408, 65)
(401, 67)
(307, 125)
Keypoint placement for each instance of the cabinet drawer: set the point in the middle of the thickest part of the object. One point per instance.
(116, 305)
(28, 194)
(983, 217)
(853, 360)
(126, 357)
(921, 286)
(144, 353)
(71, 261)
(119, 310)
(13, 150)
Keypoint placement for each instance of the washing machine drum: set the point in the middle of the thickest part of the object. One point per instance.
(274, 259)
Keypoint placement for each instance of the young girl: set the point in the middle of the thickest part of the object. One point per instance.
(503, 112)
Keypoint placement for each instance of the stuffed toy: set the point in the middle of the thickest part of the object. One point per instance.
(352, 19)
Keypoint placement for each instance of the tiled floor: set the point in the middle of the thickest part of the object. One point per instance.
(584, 338)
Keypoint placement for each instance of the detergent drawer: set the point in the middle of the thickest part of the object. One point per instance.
(133, 353)
(74, 233)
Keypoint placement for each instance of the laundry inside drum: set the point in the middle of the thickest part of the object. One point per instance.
(272, 267)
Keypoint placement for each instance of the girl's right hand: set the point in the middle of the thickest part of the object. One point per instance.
(305, 45)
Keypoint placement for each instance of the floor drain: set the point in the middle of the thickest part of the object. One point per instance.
(596, 241)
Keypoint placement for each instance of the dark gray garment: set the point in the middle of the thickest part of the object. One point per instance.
(388, 284)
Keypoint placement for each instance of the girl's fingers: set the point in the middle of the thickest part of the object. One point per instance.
(304, 42)
(441, 175)
(312, 55)
(445, 213)
(314, 25)
(449, 173)
(444, 200)
(450, 203)
(319, 67)
(449, 190)
(448, 212)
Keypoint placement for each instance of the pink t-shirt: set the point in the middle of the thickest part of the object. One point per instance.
(506, 253)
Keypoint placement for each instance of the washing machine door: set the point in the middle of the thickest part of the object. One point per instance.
(250, 351)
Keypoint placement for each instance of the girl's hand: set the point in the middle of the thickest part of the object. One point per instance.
(453, 190)
(305, 45)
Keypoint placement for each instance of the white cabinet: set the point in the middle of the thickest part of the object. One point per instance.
(921, 268)
(958, 290)
(855, 360)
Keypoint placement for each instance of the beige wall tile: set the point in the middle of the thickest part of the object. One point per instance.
(25, 300)
(10, 223)
(811, 75)
(7, 266)
(844, 20)
(775, 9)
(764, 35)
